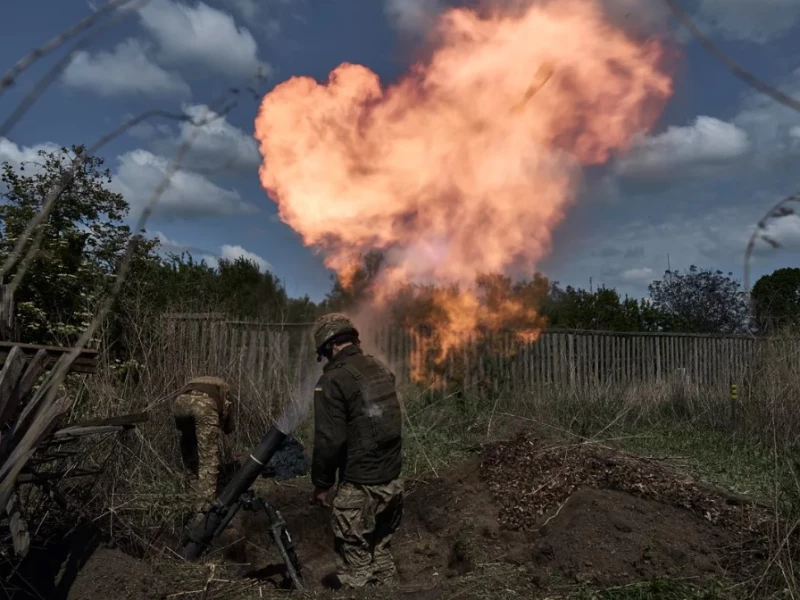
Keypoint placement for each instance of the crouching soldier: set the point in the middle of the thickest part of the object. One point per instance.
(358, 431)
(203, 415)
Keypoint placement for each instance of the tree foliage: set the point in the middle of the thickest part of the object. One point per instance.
(600, 310)
(700, 301)
(776, 299)
(82, 242)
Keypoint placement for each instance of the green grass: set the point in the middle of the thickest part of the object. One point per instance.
(708, 455)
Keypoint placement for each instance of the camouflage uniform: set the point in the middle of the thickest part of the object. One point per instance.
(365, 517)
(203, 412)
(358, 434)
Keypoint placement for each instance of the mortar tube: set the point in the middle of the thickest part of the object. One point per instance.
(252, 467)
(200, 538)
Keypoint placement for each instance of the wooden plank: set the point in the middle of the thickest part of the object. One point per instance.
(31, 349)
(658, 342)
(569, 359)
(20, 535)
(76, 431)
(120, 420)
(252, 354)
(9, 380)
(585, 362)
(35, 368)
(556, 359)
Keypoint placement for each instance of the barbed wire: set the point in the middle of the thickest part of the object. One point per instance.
(49, 407)
(736, 69)
(56, 42)
(778, 211)
(52, 74)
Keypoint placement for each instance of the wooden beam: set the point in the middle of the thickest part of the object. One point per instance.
(120, 420)
(35, 368)
(80, 431)
(9, 380)
(19, 527)
(86, 362)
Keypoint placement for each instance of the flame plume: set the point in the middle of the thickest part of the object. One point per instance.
(466, 164)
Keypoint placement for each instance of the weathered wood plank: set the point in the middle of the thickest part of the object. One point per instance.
(9, 380)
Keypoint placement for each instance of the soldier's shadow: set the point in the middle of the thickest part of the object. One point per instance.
(271, 573)
(49, 572)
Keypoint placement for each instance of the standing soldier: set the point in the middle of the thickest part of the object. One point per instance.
(357, 435)
(203, 413)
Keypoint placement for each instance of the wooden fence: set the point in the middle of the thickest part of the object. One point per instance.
(265, 352)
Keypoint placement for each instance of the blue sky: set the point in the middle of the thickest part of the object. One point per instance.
(692, 189)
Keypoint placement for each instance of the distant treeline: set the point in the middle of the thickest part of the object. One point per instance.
(83, 239)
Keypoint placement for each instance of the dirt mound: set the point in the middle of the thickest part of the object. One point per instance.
(630, 518)
(609, 538)
(527, 477)
(114, 574)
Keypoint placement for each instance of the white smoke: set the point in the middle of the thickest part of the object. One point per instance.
(413, 16)
(298, 404)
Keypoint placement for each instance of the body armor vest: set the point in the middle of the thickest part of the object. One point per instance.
(374, 429)
(376, 419)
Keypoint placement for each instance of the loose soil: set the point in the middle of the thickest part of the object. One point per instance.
(524, 516)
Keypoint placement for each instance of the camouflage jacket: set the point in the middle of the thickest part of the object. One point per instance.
(219, 390)
(357, 422)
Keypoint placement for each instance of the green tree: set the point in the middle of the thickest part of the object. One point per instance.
(599, 310)
(83, 240)
(700, 301)
(776, 299)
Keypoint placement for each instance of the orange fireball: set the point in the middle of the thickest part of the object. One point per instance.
(469, 161)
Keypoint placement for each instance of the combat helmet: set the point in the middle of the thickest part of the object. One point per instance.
(331, 326)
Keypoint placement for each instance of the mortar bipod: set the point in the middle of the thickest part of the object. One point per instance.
(283, 541)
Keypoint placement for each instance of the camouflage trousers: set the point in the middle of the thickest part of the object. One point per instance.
(365, 517)
(197, 418)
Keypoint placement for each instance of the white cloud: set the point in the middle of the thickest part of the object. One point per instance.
(413, 16)
(638, 275)
(218, 146)
(753, 20)
(704, 146)
(417, 16)
(247, 9)
(202, 36)
(16, 155)
(124, 70)
(630, 255)
(169, 244)
(772, 127)
(785, 231)
(147, 130)
(188, 195)
(229, 252)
